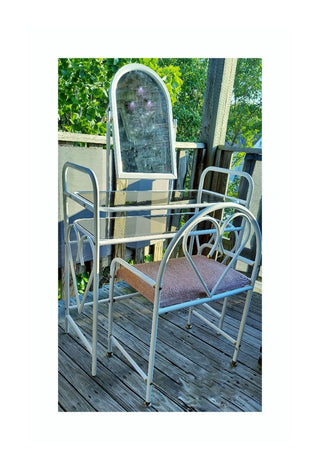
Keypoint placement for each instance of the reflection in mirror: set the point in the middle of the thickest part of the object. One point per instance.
(143, 121)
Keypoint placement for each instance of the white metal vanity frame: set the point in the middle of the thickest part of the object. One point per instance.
(92, 231)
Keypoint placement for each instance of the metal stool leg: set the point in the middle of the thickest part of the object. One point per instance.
(66, 289)
(110, 319)
(241, 327)
(188, 325)
(152, 352)
(223, 312)
(95, 310)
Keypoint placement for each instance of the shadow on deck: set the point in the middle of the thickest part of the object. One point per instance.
(192, 368)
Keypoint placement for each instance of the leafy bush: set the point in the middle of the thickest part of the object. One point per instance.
(83, 87)
(245, 118)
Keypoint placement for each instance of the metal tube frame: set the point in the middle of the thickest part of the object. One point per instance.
(96, 241)
(96, 256)
(229, 172)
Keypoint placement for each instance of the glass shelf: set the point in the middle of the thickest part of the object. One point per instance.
(124, 201)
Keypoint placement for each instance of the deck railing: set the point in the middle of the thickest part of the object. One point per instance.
(185, 152)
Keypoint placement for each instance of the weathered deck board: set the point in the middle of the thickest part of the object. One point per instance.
(128, 400)
(196, 360)
(71, 399)
(192, 368)
(113, 373)
(93, 393)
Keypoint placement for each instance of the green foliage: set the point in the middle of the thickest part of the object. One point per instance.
(82, 281)
(233, 187)
(148, 258)
(245, 119)
(188, 107)
(82, 95)
(83, 86)
(169, 73)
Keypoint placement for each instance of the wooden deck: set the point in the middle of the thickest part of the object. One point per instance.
(192, 369)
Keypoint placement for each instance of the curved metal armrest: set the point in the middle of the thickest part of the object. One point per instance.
(151, 282)
(95, 188)
(229, 172)
(82, 169)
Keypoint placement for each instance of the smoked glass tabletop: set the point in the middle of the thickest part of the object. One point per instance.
(143, 215)
(136, 200)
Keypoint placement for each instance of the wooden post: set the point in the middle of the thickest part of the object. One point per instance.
(158, 251)
(139, 255)
(216, 107)
(119, 226)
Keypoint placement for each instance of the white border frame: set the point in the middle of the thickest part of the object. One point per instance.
(116, 138)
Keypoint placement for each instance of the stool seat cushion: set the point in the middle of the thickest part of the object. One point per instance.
(180, 282)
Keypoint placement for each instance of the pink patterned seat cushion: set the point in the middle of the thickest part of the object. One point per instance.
(180, 282)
